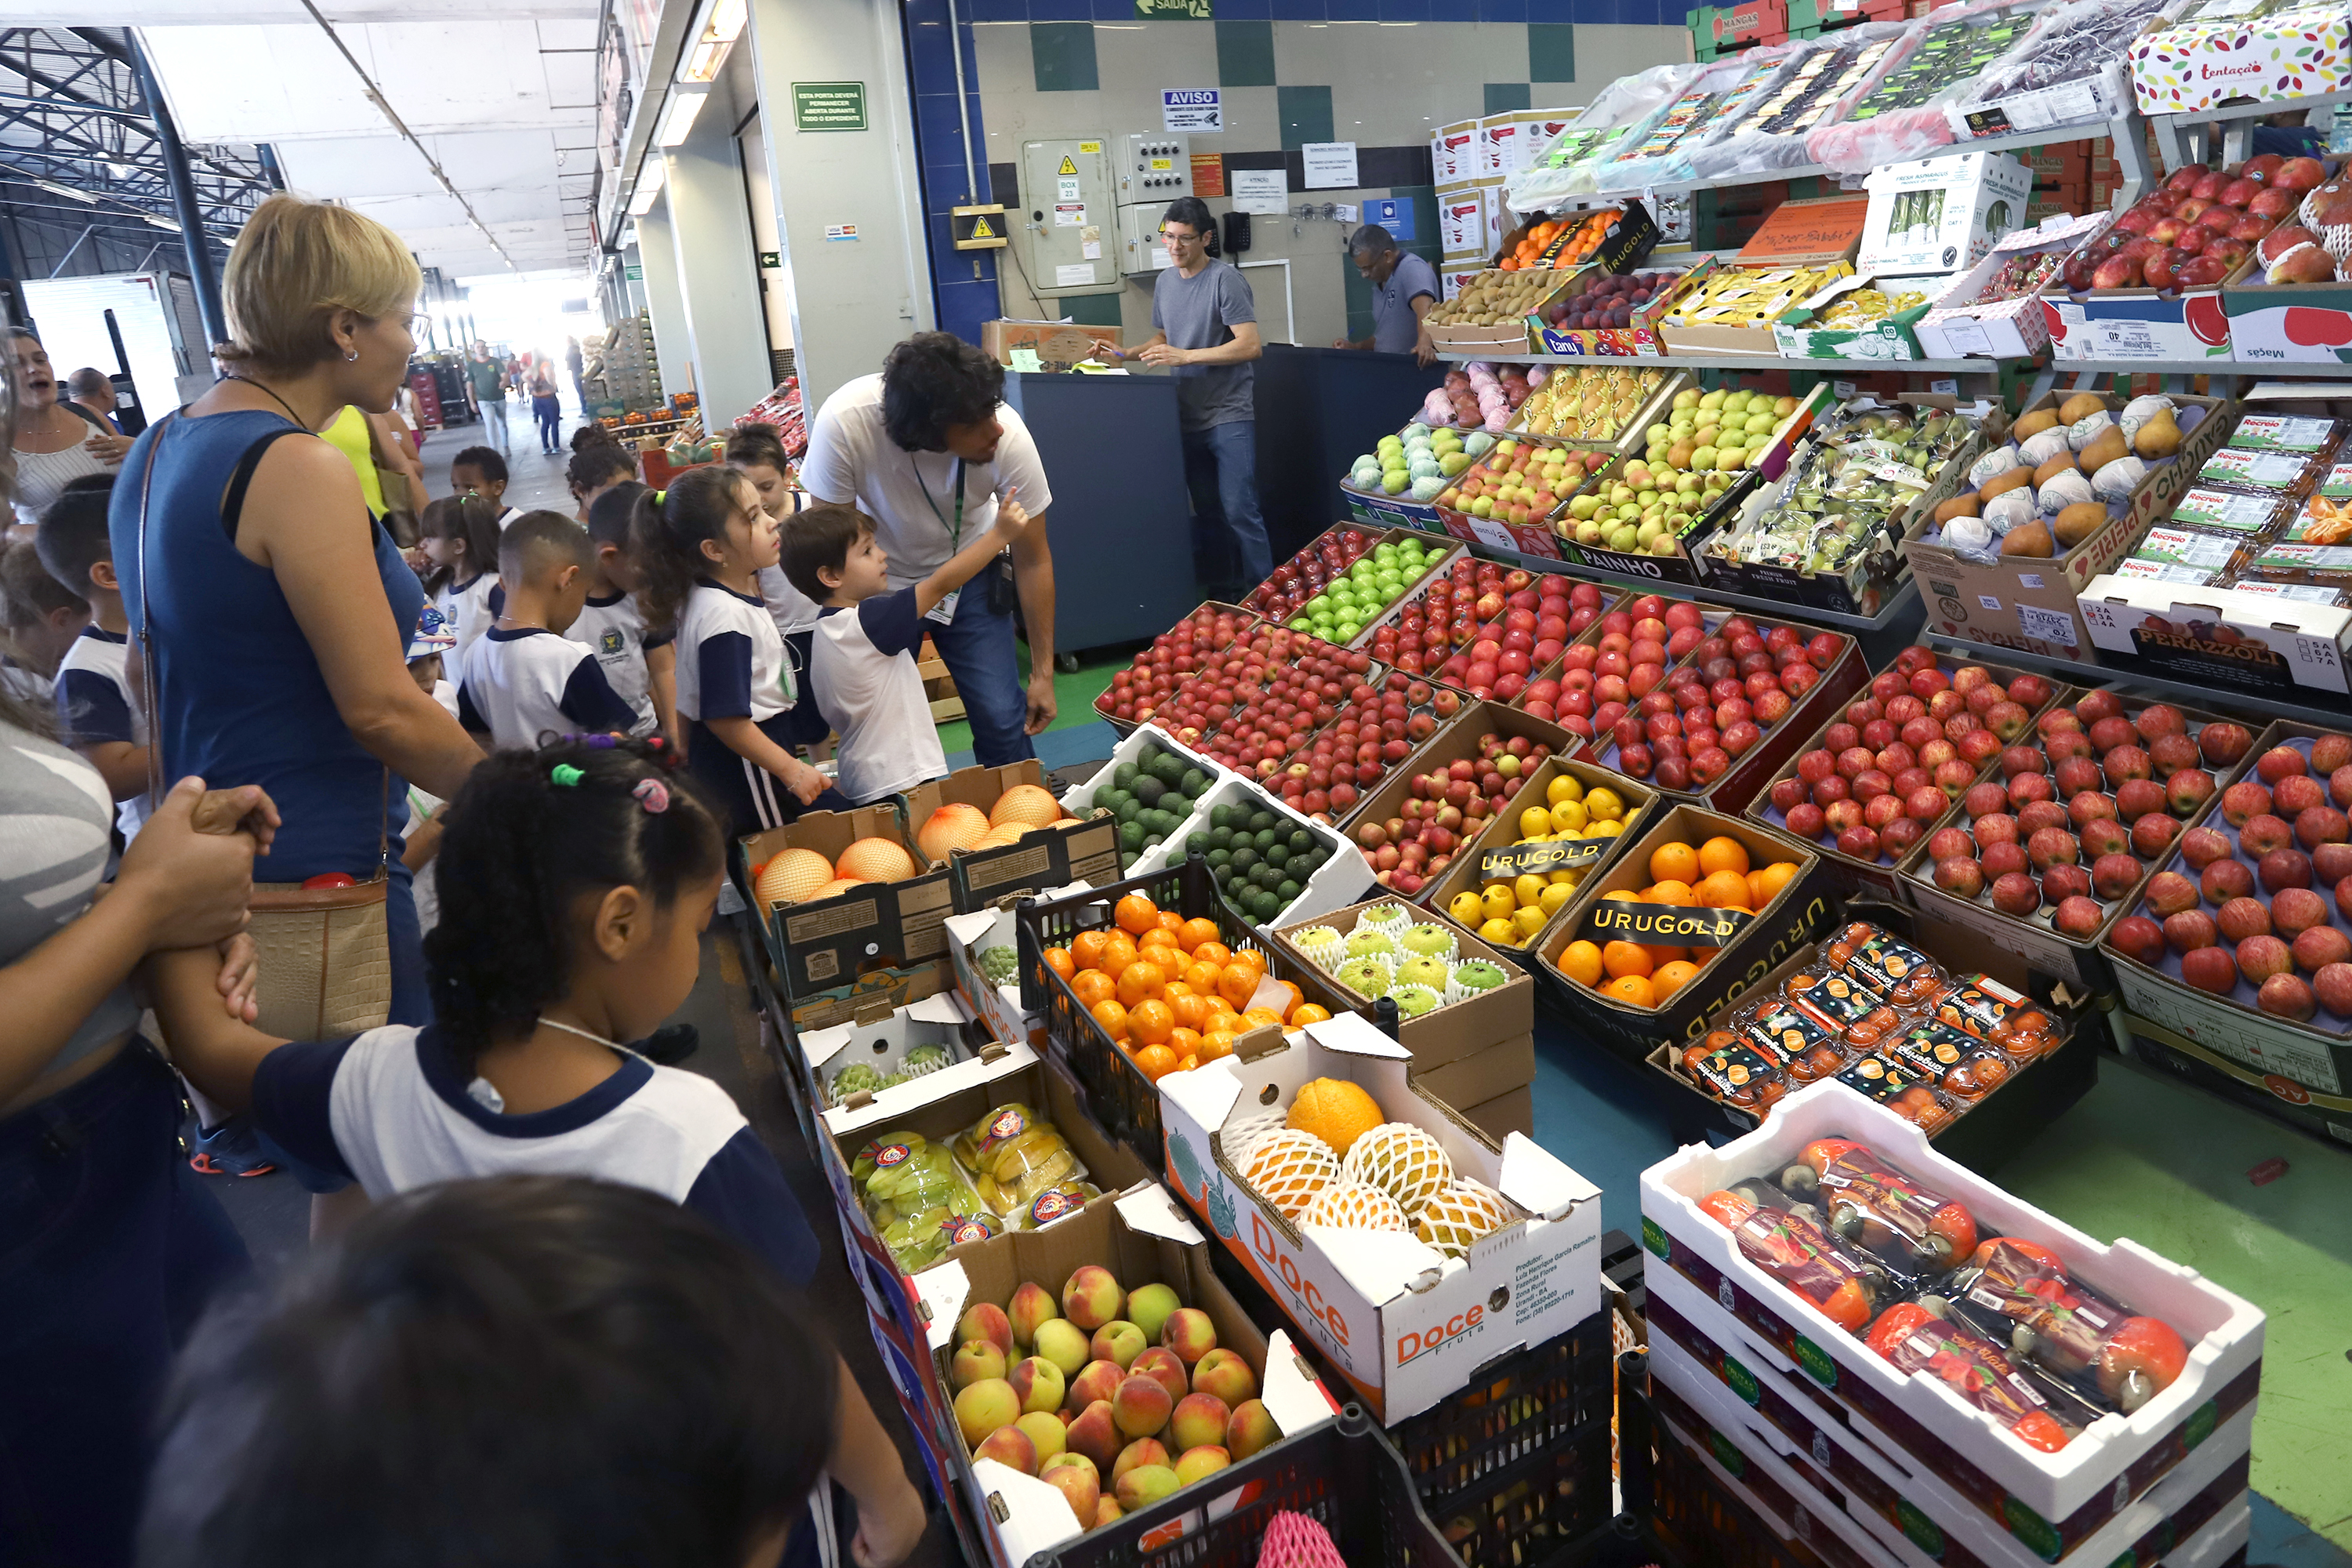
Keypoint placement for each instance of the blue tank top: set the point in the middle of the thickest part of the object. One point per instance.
(241, 699)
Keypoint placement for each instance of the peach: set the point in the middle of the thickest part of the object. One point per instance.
(1009, 1445)
(1205, 1460)
(2285, 996)
(984, 1406)
(1148, 1308)
(1091, 1297)
(986, 1321)
(975, 1360)
(1031, 1304)
(1163, 1368)
(1062, 1342)
(1097, 1380)
(2210, 969)
(1118, 1341)
(1252, 1428)
(1094, 1434)
(1144, 1485)
(2320, 946)
(1108, 1511)
(1141, 1407)
(1189, 1332)
(1142, 1451)
(1075, 1475)
(1046, 1432)
(2260, 957)
(1198, 1419)
(1038, 1382)
(1226, 1375)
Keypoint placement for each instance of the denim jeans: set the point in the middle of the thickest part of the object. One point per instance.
(977, 647)
(550, 414)
(1221, 472)
(494, 422)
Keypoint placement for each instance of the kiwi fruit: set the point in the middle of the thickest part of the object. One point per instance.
(2033, 423)
(2076, 524)
(2001, 484)
(2159, 437)
(2104, 448)
(2081, 406)
(2063, 463)
(2029, 539)
(1959, 506)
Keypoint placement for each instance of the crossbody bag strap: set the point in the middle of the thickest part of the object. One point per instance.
(143, 628)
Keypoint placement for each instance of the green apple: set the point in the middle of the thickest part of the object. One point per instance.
(1483, 507)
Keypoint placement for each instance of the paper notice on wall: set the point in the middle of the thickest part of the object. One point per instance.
(1073, 276)
(1265, 191)
(1069, 214)
(1330, 166)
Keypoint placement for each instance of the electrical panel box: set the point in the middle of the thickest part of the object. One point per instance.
(1154, 168)
(1141, 248)
(1066, 229)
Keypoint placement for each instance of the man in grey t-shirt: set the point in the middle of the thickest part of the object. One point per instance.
(1207, 336)
(1404, 290)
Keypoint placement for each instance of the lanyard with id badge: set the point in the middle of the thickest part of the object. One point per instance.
(999, 588)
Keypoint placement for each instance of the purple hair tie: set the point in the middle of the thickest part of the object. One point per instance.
(653, 795)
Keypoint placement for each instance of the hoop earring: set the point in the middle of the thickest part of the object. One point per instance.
(350, 356)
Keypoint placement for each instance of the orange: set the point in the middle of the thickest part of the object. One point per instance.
(1291, 1004)
(1763, 883)
(1237, 982)
(1168, 919)
(1118, 953)
(1672, 977)
(1662, 955)
(1337, 1112)
(1252, 957)
(1157, 1062)
(1184, 1042)
(1193, 933)
(1220, 1015)
(1149, 1022)
(1212, 951)
(1087, 948)
(1623, 958)
(1724, 889)
(1188, 1063)
(1673, 863)
(1140, 982)
(1307, 1012)
(1093, 986)
(1136, 915)
(1112, 1017)
(1201, 975)
(1671, 892)
(1189, 1008)
(1634, 990)
(1158, 936)
(1261, 1019)
(1723, 855)
(1580, 962)
(1057, 959)
(1216, 1043)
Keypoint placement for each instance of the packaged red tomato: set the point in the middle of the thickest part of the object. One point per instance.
(1800, 1255)
(1880, 1208)
(2069, 1328)
(1915, 1339)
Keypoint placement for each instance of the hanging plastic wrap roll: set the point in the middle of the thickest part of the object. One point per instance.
(1820, 80)
(1663, 152)
(1899, 116)
(2069, 43)
(1626, 108)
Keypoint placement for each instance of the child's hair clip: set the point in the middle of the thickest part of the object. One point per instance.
(564, 775)
(601, 741)
(653, 795)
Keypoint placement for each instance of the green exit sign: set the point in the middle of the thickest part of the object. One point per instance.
(771, 259)
(829, 105)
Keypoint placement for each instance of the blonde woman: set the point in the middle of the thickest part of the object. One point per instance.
(278, 611)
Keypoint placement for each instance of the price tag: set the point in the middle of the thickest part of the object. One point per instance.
(1518, 859)
(1663, 925)
(1967, 336)
(1491, 533)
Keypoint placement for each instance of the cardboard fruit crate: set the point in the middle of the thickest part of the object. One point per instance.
(826, 943)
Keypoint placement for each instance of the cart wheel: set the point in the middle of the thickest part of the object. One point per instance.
(1067, 663)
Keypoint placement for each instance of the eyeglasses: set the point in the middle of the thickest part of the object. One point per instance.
(1178, 237)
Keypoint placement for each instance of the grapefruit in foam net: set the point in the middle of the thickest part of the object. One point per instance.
(793, 877)
(875, 860)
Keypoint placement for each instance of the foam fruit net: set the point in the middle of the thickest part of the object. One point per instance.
(1289, 1168)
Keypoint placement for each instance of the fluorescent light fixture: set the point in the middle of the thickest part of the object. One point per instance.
(650, 176)
(171, 224)
(84, 197)
(721, 26)
(677, 118)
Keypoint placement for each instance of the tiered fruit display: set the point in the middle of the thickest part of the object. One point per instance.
(1718, 875)
(1253, 705)
(1891, 766)
(1121, 1399)
(1417, 463)
(1337, 1160)
(1151, 797)
(1525, 624)
(1640, 510)
(1692, 724)
(2255, 924)
(2084, 804)
(1372, 734)
(1170, 665)
(1444, 811)
(1021, 809)
(1168, 991)
(798, 875)
(1518, 481)
(1610, 301)
(1289, 586)
(2198, 226)
(1353, 600)
(1510, 912)
(1587, 403)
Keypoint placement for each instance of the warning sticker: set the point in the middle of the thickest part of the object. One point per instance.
(980, 229)
(1067, 215)
(1069, 165)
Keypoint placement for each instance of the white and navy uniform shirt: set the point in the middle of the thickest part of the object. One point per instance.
(862, 670)
(508, 516)
(93, 697)
(469, 609)
(522, 682)
(394, 1110)
(614, 631)
(731, 658)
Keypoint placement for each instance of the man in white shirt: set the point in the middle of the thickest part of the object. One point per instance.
(925, 448)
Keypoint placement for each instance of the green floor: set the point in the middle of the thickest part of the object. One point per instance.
(1074, 700)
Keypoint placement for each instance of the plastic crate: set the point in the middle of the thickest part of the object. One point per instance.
(1128, 1102)
(1344, 1476)
(1698, 1522)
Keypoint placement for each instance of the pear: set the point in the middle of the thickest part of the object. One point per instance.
(2033, 423)
(2077, 522)
(2079, 407)
(2001, 484)
(2104, 448)
(2063, 463)
(2159, 437)
(2028, 539)
(1959, 506)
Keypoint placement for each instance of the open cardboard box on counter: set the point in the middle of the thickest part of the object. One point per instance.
(1956, 327)
(2231, 639)
(2143, 323)
(1810, 233)
(823, 942)
(1081, 850)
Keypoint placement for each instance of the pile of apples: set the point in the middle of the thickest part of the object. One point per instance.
(1372, 734)
(2195, 228)
(1308, 573)
(1478, 599)
(2071, 821)
(1518, 481)
(1174, 658)
(2279, 836)
(1528, 635)
(1445, 810)
(1686, 726)
(1255, 704)
(1892, 764)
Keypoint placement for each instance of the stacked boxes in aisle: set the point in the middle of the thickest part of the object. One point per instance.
(1470, 207)
(1933, 1369)
(632, 371)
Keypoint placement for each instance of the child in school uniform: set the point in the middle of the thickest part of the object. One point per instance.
(862, 663)
(481, 471)
(755, 452)
(96, 715)
(523, 680)
(596, 465)
(642, 666)
(458, 537)
(699, 546)
(425, 649)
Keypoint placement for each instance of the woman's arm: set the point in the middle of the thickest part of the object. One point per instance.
(424, 843)
(389, 435)
(122, 765)
(325, 571)
(747, 741)
(890, 1518)
(661, 685)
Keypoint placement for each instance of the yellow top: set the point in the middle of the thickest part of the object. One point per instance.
(349, 436)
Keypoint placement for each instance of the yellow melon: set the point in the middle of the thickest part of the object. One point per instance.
(1026, 804)
(875, 860)
(793, 877)
(838, 885)
(953, 827)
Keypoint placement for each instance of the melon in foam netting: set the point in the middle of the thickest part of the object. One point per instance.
(793, 877)
(1297, 1541)
(1289, 1168)
(1401, 1161)
(1451, 1220)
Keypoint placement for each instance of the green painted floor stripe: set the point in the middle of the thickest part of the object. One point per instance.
(1074, 701)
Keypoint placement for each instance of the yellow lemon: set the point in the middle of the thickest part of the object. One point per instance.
(1466, 908)
(1535, 819)
(1602, 805)
(1567, 878)
(1530, 920)
(1554, 897)
(1609, 829)
(1527, 889)
(1499, 901)
(1568, 816)
(1563, 788)
(1500, 933)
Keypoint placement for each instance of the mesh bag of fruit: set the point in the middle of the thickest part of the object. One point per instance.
(1626, 108)
(1820, 81)
(1899, 114)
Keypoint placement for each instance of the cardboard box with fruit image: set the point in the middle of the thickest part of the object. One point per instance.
(1995, 308)
(1412, 1250)
(2248, 636)
(837, 890)
(1875, 782)
(1001, 832)
(2005, 562)
(2243, 943)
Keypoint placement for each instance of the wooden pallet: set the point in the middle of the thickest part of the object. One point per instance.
(939, 687)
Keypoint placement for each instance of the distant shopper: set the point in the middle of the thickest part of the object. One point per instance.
(926, 450)
(1404, 290)
(90, 392)
(96, 714)
(1207, 333)
(488, 380)
(572, 361)
(57, 442)
(545, 407)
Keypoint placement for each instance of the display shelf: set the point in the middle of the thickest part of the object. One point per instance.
(2173, 132)
(2305, 706)
(1750, 362)
(1904, 605)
